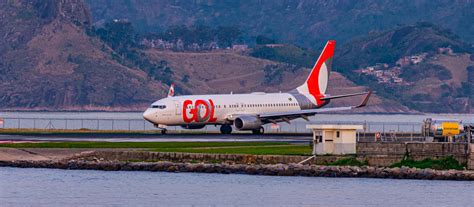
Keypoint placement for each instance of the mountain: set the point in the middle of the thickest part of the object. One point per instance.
(49, 62)
(422, 66)
(303, 22)
(52, 57)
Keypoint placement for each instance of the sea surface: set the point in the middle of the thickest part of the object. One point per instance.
(53, 187)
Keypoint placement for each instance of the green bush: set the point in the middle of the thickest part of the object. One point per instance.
(445, 163)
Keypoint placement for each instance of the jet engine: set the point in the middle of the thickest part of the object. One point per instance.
(247, 123)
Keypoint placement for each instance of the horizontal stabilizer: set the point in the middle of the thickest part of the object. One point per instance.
(344, 95)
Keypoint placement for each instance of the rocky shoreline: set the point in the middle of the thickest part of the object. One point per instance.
(251, 169)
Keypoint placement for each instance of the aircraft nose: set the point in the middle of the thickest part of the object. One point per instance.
(148, 115)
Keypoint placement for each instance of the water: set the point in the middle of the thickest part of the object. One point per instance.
(134, 121)
(51, 187)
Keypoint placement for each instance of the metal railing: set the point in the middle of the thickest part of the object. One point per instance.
(387, 129)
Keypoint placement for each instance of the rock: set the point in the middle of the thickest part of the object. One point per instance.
(269, 169)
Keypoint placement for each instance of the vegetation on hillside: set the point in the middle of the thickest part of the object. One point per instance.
(122, 38)
(223, 36)
(291, 54)
(389, 47)
(425, 70)
(306, 23)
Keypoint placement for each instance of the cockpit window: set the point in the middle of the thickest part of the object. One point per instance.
(158, 106)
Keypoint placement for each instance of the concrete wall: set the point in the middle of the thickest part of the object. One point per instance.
(470, 162)
(386, 154)
(377, 154)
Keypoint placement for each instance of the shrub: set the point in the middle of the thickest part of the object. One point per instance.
(352, 161)
(445, 163)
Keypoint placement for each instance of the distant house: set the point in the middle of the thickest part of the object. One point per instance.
(404, 61)
(378, 73)
(397, 80)
(274, 45)
(416, 59)
(240, 47)
(445, 50)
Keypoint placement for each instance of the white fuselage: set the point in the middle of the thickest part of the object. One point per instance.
(217, 109)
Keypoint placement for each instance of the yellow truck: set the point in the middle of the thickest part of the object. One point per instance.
(443, 129)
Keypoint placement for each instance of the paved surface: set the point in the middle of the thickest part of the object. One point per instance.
(13, 154)
(156, 138)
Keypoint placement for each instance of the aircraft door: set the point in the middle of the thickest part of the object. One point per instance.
(241, 106)
(177, 107)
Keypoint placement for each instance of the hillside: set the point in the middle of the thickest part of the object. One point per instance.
(48, 61)
(301, 22)
(422, 66)
(52, 58)
(226, 72)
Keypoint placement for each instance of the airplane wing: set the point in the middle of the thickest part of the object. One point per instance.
(287, 116)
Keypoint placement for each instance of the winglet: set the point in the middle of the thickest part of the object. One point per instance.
(364, 103)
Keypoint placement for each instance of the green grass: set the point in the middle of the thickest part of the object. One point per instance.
(253, 150)
(164, 145)
(445, 163)
(352, 161)
(74, 131)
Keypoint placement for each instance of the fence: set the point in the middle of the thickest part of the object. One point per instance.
(387, 129)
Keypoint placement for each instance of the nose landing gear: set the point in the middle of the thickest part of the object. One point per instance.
(226, 129)
(163, 130)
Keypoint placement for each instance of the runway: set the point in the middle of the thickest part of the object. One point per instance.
(156, 138)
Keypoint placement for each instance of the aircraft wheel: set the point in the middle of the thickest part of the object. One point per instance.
(261, 130)
(164, 131)
(226, 129)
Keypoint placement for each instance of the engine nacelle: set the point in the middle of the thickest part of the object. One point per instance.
(193, 126)
(247, 123)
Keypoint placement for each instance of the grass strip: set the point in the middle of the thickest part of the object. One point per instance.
(166, 145)
(75, 131)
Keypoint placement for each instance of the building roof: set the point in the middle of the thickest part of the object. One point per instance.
(335, 126)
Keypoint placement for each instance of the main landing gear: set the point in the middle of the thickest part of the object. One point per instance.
(260, 130)
(226, 129)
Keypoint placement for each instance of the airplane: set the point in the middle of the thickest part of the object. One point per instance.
(249, 112)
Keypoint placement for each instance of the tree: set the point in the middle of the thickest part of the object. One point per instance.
(202, 34)
(262, 40)
(120, 35)
(226, 36)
